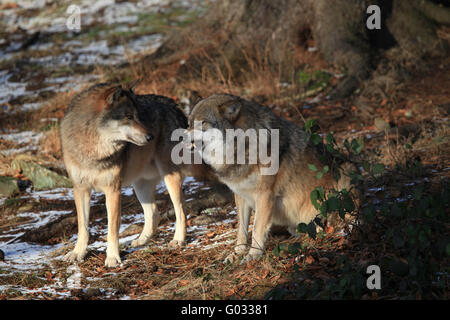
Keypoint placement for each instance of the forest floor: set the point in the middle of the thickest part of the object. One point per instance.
(402, 224)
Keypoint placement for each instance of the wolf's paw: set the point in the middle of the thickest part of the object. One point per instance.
(252, 255)
(231, 258)
(240, 248)
(176, 244)
(139, 242)
(75, 256)
(112, 261)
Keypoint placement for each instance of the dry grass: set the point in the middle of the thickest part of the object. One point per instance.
(207, 70)
(155, 273)
(50, 143)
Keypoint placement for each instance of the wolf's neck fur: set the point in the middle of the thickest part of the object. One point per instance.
(104, 151)
(89, 146)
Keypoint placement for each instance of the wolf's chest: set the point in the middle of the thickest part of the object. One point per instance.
(91, 177)
(246, 187)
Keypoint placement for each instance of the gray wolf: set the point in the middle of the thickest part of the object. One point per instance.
(112, 138)
(282, 198)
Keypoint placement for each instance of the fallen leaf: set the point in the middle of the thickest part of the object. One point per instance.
(309, 260)
(183, 282)
(49, 276)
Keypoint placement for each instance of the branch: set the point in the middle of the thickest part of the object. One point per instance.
(438, 13)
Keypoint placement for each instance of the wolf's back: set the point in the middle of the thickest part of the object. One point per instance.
(161, 108)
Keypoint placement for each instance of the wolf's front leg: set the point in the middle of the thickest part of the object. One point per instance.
(82, 197)
(112, 195)
(263, 220)
(243, 211)
(243, 220)
(173, 183)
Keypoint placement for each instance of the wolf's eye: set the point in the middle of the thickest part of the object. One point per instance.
(129, 116)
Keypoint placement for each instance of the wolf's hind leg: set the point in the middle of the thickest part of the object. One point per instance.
(82, 197)
(173, 183)
(145, 192)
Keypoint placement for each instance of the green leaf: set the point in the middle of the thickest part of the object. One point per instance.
(312, 230)
(348, 203)
(333, 204)
(378, 168)
(408, 146)
(323, 209)
(309, 124)
(294, 248)
(312, 167)
(330, 139)
(366, 166)
(304, 77)
(347, 145)
(321, 191)
(315, 139)
(361, 144)
(314, 196)
(342, 213)
(357, 145)
(325, 169)
(319, 175)
(276, 251)
(354, 144)
(302, 228)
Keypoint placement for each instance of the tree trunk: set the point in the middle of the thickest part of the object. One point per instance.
(275, 28)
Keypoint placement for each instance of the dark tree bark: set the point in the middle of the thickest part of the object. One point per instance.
(338, 28)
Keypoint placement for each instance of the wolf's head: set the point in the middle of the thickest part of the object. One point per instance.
(218, 111)
(120, 118)
(208, 124)
(226, 130)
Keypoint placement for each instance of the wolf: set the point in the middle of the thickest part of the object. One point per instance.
(112, 137)
(281, 198)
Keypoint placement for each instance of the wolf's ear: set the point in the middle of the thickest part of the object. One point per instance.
(112, 95)
(133, 85)
(109, 97)
(230, 110)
